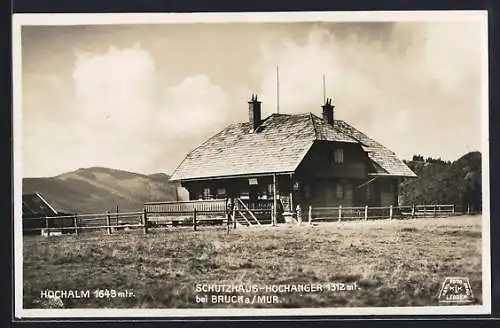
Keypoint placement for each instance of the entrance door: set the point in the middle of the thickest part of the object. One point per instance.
(329, 194)
(253, 195)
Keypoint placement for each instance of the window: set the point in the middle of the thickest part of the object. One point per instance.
(315, 157)
(244, 194)
(388, 188)
(253, 182)
(221, 193)
(206, 193)
(262, 189)
(307, 191)
(339, 190)
(320, 157)
(270, 189)
(338, 156)
(348, 192)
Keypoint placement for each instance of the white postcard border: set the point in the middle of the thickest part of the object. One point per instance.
(20, 20)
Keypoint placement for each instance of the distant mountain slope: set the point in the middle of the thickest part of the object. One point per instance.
(98, 189)
(440, 182)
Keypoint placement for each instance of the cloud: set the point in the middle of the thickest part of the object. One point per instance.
(123, 118)
(301, 68)
(44, 122)
(194, 103)
(408, 85)
(117, 115)
(415, 78)
(115, 90)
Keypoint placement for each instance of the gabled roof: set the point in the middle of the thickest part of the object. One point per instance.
(34, 205)
(385, 161)
(278, 146)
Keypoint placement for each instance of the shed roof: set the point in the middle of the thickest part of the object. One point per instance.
(278, 146)
(35, 205)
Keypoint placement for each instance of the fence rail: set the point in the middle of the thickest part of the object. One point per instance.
(339, 213)
(214, 212)
(111, 222)
(207, 206)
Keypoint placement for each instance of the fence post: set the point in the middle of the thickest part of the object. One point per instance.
(108, 222)
(117, 209)
(390, 212)
(75, 223)
(145, 219)
(46, 223)
(412, 210)
(468, 209)
(453, 210)
(310, 214)
(435, 213)
(274, 215)
(234, 216)
(298, 212)
(366, 212)
(194, 219)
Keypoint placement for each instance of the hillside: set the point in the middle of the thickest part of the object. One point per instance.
(98, 189)
(441, 182)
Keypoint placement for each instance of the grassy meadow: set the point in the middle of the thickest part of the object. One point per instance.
(392, 263)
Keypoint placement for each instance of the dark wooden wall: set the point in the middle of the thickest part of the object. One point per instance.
(319, 162)
(239, 187)
(326, 183)
(317, 181)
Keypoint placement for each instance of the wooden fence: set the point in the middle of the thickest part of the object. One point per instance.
(79, 223)
(180, 207)
(340, 213)
(186, 213)
(214, 212)
(154, 215)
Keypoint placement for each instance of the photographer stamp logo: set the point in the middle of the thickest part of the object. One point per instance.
(456, 290)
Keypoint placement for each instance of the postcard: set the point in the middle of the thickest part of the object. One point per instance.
(251, 164)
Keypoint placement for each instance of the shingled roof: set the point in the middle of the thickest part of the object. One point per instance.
(384, 160)
(34, 205)
(278, 146)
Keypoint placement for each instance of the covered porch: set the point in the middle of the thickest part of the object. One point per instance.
(258, 192)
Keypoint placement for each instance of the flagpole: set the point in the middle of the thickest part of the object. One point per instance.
(324, 89)
(277, 89)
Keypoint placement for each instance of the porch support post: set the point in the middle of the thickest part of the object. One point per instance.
(275, 201)
(396, 192)
(291, 193)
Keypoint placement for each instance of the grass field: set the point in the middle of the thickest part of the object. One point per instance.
(392, 263)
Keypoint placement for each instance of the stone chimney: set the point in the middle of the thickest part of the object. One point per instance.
(254, 113)
(328, 109)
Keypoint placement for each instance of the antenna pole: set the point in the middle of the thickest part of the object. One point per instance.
(324, 89)
(277, 89)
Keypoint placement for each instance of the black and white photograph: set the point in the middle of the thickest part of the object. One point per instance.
(251, 164)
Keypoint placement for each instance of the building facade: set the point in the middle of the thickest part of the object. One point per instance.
(299, 159)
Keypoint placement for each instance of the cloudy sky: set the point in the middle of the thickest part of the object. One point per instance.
(140, 97)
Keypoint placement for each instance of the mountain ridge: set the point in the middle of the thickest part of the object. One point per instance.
(97, 189)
